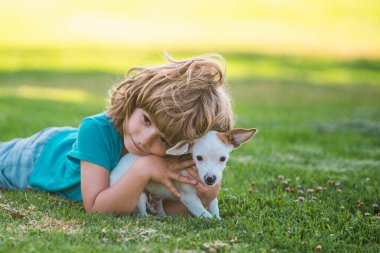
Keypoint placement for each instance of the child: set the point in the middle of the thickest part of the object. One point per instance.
(149, 112)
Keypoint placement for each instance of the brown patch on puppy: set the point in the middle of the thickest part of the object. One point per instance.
(238, 136)
(222, 137)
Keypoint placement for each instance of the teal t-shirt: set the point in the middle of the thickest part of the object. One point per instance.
(58, 166)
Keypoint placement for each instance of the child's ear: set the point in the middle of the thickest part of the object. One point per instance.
(238, 136)
(181, 148)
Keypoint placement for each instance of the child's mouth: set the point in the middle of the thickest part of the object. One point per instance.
(137, 147)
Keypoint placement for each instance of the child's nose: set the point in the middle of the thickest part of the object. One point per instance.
(147, 137)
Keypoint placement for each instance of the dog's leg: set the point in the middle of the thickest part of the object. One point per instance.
(194, 205)
(214, 208)
(141, 205)
(160, 208)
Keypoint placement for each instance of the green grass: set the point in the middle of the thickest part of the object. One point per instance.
(242, 67)
(316, 129)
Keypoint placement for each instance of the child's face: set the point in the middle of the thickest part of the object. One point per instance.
(141, 137)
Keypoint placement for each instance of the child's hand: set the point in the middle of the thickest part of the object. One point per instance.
(165, 169)
(205, 192)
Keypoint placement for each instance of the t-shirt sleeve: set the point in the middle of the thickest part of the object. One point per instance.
(92, 144)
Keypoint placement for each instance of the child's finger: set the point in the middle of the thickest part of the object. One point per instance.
(192, 171)
(171, 188)
(184, 164)
(185, 157)
(182, 179)
(202, 187)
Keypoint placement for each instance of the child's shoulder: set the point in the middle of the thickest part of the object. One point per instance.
(100, 119)
(97, 126)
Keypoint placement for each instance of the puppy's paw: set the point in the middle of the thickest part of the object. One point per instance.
(218, 216)
(140, 213)
(206, 215)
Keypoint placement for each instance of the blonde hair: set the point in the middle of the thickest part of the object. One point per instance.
(185, 99)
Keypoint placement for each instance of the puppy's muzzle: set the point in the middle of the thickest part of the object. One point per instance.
(209, 180)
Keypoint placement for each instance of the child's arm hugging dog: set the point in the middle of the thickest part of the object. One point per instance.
(149, 112)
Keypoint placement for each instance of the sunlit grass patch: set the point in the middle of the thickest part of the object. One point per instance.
(45, 93)
(241, 66)
(36, 220)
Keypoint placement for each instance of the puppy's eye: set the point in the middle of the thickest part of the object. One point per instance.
(199, 158)
(222, 159)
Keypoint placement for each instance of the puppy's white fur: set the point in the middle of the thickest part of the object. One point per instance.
(210, 154)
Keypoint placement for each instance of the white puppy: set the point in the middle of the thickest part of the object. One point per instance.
(210, 154)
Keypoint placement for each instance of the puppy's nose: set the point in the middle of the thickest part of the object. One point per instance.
(210, 180)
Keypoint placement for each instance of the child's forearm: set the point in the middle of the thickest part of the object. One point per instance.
(122, 197)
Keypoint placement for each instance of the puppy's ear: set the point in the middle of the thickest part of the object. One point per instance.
(238, 136)
(181, 148)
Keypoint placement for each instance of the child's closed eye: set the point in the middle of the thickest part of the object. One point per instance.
(146, 120)
(164, 143)
(148, 123)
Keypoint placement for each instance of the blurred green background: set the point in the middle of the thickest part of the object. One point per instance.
(113, 35)
(306, 73)
(347, 28)
(74, 51)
